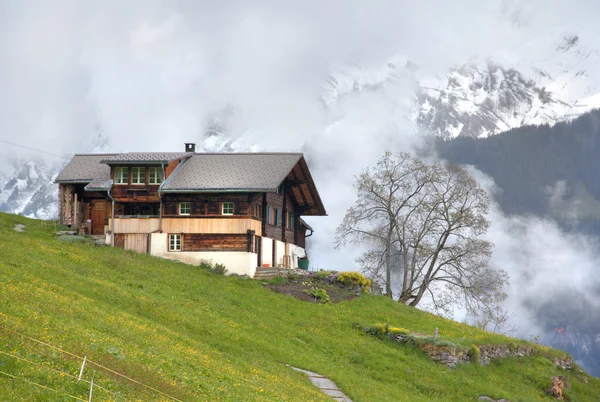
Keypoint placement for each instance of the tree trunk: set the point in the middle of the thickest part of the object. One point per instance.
(388, 266)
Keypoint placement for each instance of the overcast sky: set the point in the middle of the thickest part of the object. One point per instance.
(151, 74)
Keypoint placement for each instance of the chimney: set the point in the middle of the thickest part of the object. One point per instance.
(190, 147)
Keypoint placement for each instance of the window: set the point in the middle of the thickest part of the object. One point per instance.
(269, 215)
(138, 175)
(277, 217)
(256, 210)
(184, 208)
(290, 222)
(121, 175)
(227, 208)
(273, 216)
(155, 175)
(175, 242)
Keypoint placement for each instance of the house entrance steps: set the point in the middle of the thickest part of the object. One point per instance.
(99, 240)
(266, 273)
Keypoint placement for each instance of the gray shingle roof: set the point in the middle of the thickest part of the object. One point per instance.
(84, 169)
(231, 172)
(144, 157)
(99, 185)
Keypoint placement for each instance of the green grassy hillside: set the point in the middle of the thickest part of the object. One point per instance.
(192, 335)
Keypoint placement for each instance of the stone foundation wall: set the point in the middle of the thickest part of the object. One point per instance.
(451, 357)
(489, 352)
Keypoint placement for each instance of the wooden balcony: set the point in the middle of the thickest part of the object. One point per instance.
(221, 225)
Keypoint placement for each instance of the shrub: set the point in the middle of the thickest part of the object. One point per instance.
(320, 294)
(323, 274)
(217, 268)
(354, 278)
(398, 331)
(474, 354)
(206, 264)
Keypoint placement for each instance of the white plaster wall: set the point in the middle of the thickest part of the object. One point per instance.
(296, 252)
(237, 262)
(279, 253)
(267, 250)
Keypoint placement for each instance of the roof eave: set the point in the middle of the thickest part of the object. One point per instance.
(77, 181)
(123, 162)
(135, 162)
(96, 188)
(218, 190)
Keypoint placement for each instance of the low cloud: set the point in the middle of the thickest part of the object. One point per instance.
(552, 273)
(153, 74)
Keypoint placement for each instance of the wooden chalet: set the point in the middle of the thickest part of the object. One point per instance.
(240, 209)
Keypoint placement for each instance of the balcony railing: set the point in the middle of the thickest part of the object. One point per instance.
(150, 224)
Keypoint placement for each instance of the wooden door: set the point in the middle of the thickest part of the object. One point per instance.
(137, 242)
(258, 246)
(99, 216)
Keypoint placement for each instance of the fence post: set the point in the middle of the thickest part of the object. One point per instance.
(91, 389)
(82, 365)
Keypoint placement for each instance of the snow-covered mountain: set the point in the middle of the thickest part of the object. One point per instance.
(547, 80)
(552, 81)
(28, 189)
(27, 186)
(483, 98)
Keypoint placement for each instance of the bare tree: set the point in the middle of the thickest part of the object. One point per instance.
(431, 219)
(495, 319)
(382, 194)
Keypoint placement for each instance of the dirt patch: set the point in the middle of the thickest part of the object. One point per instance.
(300, 288)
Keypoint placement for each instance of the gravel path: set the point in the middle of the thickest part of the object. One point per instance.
(325, 385)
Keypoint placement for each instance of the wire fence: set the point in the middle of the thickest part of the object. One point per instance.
(40, 385)
(84, 360)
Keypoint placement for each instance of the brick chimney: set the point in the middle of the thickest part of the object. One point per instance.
(190, 147)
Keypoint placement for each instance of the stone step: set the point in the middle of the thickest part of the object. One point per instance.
(99, 240)
(265, 273)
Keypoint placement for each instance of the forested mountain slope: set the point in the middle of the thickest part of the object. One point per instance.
(540, 170)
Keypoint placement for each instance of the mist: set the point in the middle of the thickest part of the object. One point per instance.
(159, 70)
(326, 78)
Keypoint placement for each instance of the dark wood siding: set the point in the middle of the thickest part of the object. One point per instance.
(134, 193)
(215, 242)
(170, 167)
(285, 204)
(127, 193)
(209, 204)
(273, 232)
(301, 236)
(119, 240)
(245, 205)
(275, 200)
(170, 208)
